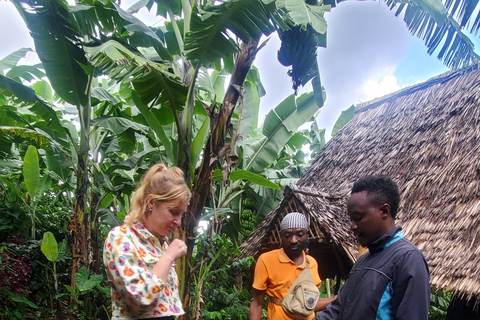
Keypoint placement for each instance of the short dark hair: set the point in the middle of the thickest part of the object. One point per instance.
(380, 189)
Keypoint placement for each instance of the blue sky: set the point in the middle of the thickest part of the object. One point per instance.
(369, 53)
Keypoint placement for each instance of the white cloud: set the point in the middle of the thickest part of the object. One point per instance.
(365, 43)
(375, 88)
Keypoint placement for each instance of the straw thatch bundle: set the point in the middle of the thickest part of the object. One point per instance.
(427, 138)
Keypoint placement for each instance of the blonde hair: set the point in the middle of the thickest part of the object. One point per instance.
(162, 184)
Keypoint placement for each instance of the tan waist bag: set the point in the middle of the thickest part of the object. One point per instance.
(301, 298)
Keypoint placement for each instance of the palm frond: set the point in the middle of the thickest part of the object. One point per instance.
(435, 23)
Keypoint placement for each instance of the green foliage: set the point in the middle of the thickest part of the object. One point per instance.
(86, 282)
(49, 247)
(88, 288)
(280, 125)
(15, 274)
(14, 217)
(15, 306)
(31, 171)
(343, 119)
(240, 174)
(60, 56)
(37, 285)
(439, 301)
(209, 40)
(53, 252)
(222, 294)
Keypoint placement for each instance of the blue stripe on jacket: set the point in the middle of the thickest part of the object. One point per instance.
(384, 311)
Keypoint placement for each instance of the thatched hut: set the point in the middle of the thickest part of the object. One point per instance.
(427, 138)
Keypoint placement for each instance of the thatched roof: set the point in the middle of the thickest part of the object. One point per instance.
(427, 138)
(328, 229)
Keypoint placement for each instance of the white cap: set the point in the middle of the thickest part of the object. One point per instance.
(294, 220)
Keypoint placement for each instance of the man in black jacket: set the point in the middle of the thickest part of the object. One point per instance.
(391, 281)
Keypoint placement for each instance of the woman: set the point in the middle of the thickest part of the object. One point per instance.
(139, 263)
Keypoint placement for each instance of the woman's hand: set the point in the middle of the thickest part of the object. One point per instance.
(176, 249)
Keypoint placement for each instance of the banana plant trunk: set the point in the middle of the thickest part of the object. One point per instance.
(219, 127)
(94, 245)
(79, 223)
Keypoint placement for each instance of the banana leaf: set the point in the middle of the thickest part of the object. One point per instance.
(56, 39)
(209, 38)
(280, 125)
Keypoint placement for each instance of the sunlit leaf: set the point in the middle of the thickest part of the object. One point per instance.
(342, 120)
(31, 171)
(49, 246)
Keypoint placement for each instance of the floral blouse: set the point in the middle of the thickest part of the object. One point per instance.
(129, 255)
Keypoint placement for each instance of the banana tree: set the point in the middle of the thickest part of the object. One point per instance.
(266, 151)
(159, 72)
(65, 64)
(58, 40)
(191, 129)
(28, 120)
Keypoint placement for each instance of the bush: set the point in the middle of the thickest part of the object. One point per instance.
(218, 287)
(439, 302)
(15, 277)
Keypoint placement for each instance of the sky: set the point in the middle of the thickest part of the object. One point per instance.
(369, 53)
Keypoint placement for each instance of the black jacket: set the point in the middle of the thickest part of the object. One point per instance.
(391, 281)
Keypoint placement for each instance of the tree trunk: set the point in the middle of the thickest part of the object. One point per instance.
(93, 244)
(81, 254)
(79, 223)
(219, 125)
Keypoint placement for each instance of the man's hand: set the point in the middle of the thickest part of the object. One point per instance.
(322, 303)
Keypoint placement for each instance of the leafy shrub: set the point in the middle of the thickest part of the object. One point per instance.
(15, 276)
(14, 218)
(88, 289)
(439, 301)
(15, 271)
(217, 288)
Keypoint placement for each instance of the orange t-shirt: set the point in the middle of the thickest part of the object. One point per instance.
(276, 273)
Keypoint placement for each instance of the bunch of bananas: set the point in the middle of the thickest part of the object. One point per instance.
(299, 50)
(248, 217)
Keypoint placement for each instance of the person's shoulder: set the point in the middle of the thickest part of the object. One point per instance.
(120, 230)
(407, 248)
(408, 245)
(269, 255)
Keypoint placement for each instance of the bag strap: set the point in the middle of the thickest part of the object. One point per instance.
(276, 300)
(279, 301)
